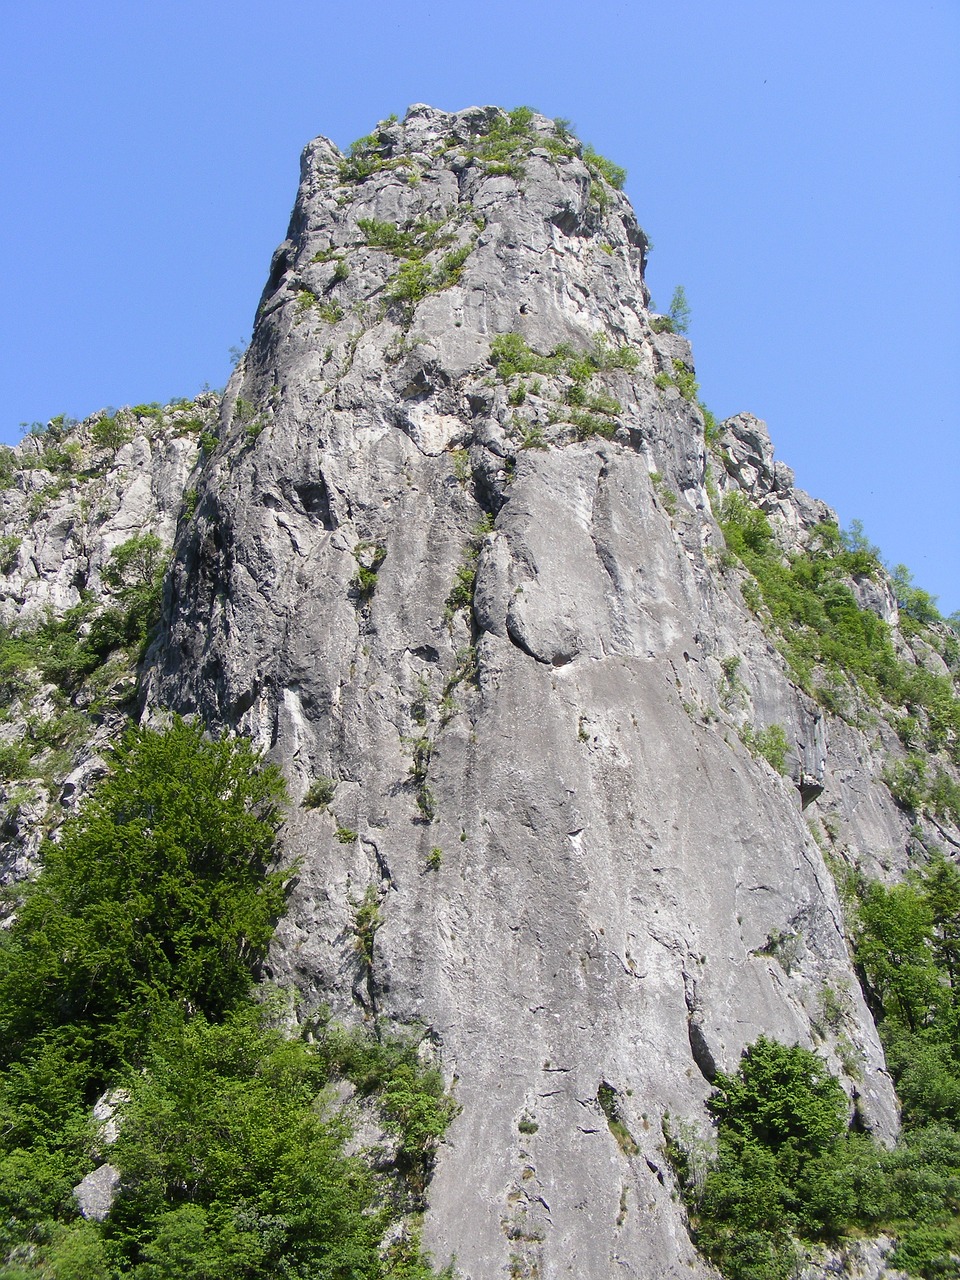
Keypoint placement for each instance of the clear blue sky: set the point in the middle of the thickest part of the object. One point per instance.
(797, 166)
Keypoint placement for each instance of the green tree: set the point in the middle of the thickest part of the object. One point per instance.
(232, 1170)
(158, 892)
(679, 312)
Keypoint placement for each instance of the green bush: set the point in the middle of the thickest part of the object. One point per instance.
(157, 893)
(369, 557)
(129, 963)
(771, 743)
(604, 168)
(414, 242)
(319, 794)
(110, 433)
(782, 1163)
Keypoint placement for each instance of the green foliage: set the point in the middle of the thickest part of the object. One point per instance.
(414, 241)
(679, 313)
(506, 145)
(907, 782)
(908, 950)
(822, 630)
(785, 1166)
(711, 428)
(366, 921)
(412, 283)
(603, 168)
(129, 963)
(319, 794)
(9, 550)
(609, 1103)
(369, 557)
(233, 1167)
(916, 603)
(8, 467)
(511, 356)
(110, 433)
(907, 955)
(417, 278)
(685, 381)
(590, 424)
(367, 156)
(666, 495)
(770, 743)
(410, 1095)
(531, 436)
(156, 894)
(781, 1098)
(153, 410)
(461, 593)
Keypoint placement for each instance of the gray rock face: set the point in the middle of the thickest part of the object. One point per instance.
(66, 504)
(583, 877)
(858, 1260)
(97, 1191)
(66, 519)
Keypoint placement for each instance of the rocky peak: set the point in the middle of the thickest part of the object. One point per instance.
(452, 558)
(455, 557)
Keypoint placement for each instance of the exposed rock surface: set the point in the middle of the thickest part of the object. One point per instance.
(859, 1260)
(97, 1191)
(491, 613)
(71, 495)
(583, 876)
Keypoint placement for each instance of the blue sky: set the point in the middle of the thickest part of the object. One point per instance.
(797, 167)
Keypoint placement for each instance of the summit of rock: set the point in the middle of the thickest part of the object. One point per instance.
(454, 557)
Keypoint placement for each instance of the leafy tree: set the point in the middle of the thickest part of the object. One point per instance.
(158, 892)
(129, 963)
(783, 1165)
(231, 1168)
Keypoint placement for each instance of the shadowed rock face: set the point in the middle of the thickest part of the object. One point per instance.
(623, 897)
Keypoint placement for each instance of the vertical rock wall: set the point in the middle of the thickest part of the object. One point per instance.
(501, 637)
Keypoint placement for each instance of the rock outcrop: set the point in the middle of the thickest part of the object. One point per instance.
(493, 621)
(452, 559)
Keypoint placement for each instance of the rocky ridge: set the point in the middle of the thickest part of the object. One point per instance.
(453, 560)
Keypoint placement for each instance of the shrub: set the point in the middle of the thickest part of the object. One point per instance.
(783, 1164)
(604, 168)
(415, 241)
(129, 963)
(771, 743)
(9, 551)
(110, 433)
(369, 557)
(319, 794)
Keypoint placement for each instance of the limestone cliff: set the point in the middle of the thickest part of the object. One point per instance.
(454, 562)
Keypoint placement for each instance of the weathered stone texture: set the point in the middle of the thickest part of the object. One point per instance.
(624, 895)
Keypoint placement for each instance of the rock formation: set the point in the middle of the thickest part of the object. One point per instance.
(454, 563)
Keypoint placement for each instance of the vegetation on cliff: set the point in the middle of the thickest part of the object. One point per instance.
(128, 968)
(789, 1168)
